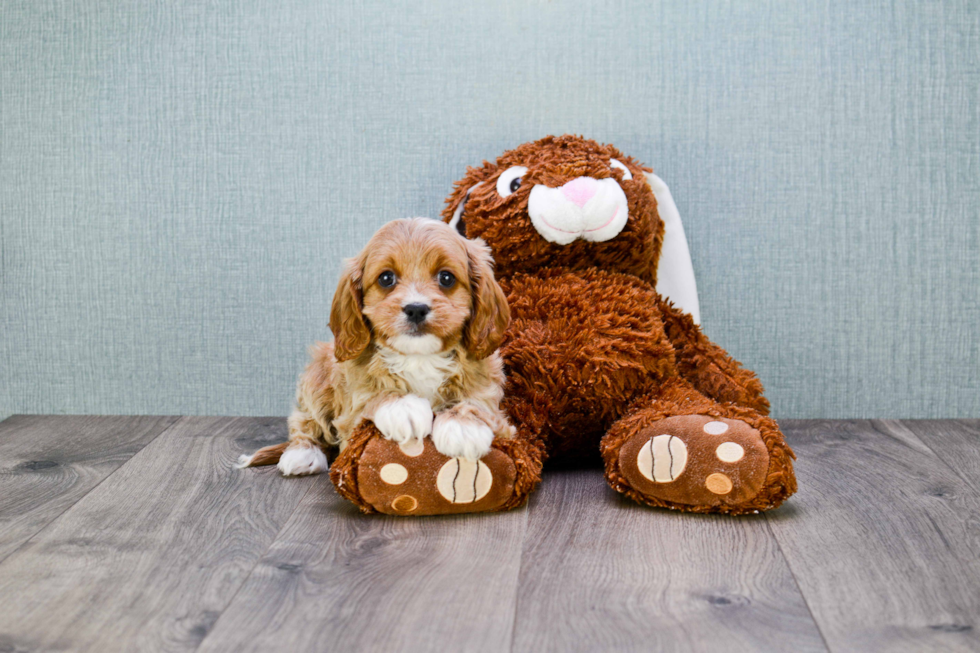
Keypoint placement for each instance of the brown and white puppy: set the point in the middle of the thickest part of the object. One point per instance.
(417, 319)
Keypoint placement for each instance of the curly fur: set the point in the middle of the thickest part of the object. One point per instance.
(367, 369)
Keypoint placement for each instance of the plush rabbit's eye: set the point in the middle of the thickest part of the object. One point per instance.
(447, 279)
(386, 279)
(613, 163)
(510, 180)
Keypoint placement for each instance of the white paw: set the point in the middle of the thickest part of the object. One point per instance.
(299, 461)
(404, 419)
(458, 438)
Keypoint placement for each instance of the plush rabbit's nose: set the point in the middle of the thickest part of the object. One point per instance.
(580, 190)
(587, 208)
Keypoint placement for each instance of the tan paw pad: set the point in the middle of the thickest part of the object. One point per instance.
(413, 448)
(715, 428)
(405, 504)
(464, 481)
(730, 452)
(394, 474)
(663, 458)
(718, 483)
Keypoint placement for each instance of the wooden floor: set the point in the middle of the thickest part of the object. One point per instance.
(135, 533)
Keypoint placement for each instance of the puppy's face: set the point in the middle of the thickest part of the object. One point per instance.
(419, 288)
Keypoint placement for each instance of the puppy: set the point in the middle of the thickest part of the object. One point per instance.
(417, 318)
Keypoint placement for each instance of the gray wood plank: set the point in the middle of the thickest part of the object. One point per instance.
(47, 463)
(955, 441)
(150, 558)
(884, 539)
(600, 573)
(338, 580)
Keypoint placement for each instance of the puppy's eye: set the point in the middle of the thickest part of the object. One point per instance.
(447, 279)
(510, 180)
(627, 175)
(386, 279)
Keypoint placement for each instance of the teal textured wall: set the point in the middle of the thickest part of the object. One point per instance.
(179, 181)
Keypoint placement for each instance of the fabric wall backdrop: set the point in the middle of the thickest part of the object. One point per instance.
(179, 181)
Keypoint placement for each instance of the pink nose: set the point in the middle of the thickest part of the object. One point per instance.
(580, 190)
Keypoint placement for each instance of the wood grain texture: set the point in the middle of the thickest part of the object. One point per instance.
(177, 551)
(49, 463)
(338, 580)
(883, 537)
(150, 558)
(600, 573)
(955, 441)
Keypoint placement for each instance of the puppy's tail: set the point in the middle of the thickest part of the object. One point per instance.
(265, 456)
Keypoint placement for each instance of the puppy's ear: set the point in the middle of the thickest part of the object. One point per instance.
(491, 314)
(351, 334)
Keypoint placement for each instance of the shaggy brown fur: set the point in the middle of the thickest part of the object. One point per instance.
(595, 358)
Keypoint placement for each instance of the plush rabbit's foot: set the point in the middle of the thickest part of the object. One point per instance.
(413, 478)
(700, 463)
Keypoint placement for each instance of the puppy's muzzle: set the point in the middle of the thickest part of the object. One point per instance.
(416, 313)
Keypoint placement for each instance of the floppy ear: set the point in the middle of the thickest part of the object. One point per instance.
(491, 313)
(675, 272)
(351, 334)
(458, 221)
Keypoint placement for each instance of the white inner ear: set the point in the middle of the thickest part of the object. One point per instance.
(458, 213)
(675, 272)
(614, 163)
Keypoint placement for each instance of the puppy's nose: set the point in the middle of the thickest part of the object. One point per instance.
(416, 312)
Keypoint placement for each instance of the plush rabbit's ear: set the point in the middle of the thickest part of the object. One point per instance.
(458, 222)
(675, 272)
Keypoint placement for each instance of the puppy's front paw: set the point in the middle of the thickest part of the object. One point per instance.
(404, 419)
(458, 437)
(300, 461)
